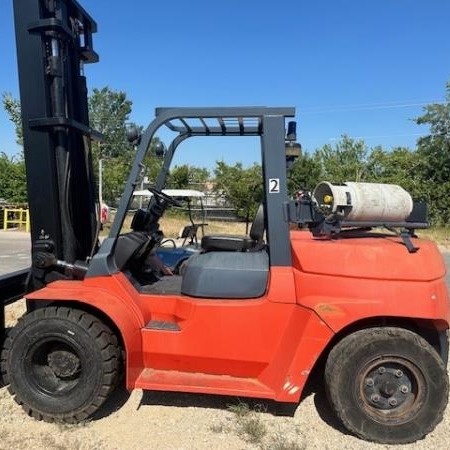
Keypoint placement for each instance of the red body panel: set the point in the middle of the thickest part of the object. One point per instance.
(356, 279)
(265, 347)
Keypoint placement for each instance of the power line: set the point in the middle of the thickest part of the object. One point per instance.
(367, 107)
(385, 136)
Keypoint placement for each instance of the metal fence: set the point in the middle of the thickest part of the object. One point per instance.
(15, 218)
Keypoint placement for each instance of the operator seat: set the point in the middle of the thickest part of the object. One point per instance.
(231, 243)
(129, 246)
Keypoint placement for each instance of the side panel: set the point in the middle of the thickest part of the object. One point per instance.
(367, 277)
(270, 340)
(341, 301)
(220, 337)
(376, 256)
(304, 339)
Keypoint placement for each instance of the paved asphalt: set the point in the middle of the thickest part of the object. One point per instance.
(15, 253)
(447, 262)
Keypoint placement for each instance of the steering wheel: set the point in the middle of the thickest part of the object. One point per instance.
(165, 198)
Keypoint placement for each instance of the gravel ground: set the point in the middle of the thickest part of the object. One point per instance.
(183, 421)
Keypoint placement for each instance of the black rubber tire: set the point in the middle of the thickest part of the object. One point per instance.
(61, 364)
(368, 363)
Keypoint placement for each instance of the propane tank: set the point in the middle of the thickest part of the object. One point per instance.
(364, 202)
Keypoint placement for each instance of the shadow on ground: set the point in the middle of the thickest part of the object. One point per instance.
(316, 387)
(219, 402)
(115, 401)
(313, 388)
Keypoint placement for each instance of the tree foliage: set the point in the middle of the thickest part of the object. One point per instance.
(185, 176)
(345, 161)
(305, 173)
(242, 188)
(12, 170)
(12, 179)
(434, 159)
(398, 166)
(12, 108)
(109, 112)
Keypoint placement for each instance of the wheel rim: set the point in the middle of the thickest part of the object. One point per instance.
(53, 366)
(391, 390)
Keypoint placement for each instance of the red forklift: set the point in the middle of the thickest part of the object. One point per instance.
(250, 316)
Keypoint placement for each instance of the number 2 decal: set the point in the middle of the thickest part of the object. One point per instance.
(274, 185)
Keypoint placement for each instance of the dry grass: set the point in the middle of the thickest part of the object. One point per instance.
(440, 235)
(251, 425)
(171, 226)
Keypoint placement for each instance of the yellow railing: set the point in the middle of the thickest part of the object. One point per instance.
(18, 216)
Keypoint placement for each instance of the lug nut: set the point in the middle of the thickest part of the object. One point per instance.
(392, 402)
(404, 389)
(398, 373)
(381, 369)
(375, 398)
(369, 382)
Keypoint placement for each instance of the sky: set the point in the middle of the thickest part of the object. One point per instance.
(364, 68)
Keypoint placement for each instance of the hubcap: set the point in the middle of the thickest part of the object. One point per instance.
(53, 367)
(64, 364)
(391, 390)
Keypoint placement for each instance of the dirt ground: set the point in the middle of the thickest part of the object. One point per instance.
(156, 420)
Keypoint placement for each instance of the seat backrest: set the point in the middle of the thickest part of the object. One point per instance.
(257, 228)
(189, 232)
(130, 245)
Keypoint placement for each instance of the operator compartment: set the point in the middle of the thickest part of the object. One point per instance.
(226, 275)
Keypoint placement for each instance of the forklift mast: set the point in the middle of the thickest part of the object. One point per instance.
(54, 41)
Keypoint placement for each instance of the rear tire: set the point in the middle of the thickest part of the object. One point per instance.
(387, 385)
(61, 364)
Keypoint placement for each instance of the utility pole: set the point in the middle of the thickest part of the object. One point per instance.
(100, 182)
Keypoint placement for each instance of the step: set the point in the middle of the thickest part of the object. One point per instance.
(162, 325)
(172, 380)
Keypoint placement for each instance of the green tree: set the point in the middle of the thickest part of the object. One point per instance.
(242, 188)
(305, 173)
(345, 161)
(399, 166)
(434, 153)
(12, 179)
(12, 107)
(109, 112)
(12, 170)
(185, 176)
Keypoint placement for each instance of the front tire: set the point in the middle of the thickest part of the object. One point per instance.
(61, 364)
(387, 385)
